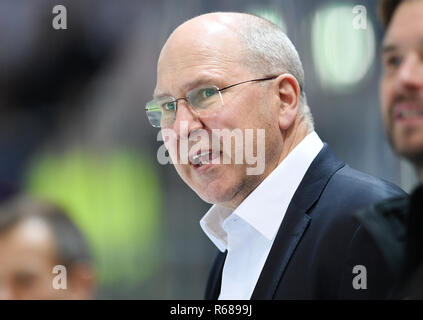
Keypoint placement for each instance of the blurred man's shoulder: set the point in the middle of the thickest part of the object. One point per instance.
(385, 221)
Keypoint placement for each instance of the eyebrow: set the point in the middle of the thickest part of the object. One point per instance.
(194, 83)
(388, 47)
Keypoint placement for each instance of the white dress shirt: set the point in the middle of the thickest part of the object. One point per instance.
(248, 232)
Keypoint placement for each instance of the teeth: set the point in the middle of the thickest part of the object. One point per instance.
(410, 113)
(197, 159)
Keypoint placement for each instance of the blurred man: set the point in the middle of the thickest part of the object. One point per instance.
(42, 253)
(286, 231)
(397, 225)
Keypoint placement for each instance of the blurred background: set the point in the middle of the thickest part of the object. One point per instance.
(73, 128)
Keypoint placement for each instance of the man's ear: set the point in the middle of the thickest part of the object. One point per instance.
(289, 100)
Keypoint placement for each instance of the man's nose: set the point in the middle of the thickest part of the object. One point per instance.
(410, 74)
(186, 120)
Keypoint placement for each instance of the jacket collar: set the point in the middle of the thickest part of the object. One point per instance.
(296, 221)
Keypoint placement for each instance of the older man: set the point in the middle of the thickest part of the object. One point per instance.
(283, 232)
(397, 224)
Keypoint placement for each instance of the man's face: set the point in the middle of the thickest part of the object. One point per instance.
(402, 81)
(27, 258)
(198, 56)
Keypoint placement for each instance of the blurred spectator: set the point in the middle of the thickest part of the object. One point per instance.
(396, 224)
(35, 237)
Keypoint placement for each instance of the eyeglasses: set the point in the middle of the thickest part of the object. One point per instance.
(204, 100)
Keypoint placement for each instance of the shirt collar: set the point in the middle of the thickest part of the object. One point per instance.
(265, 207)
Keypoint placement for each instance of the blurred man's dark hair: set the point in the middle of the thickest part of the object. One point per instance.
(36, 238)
(70, 243)
(386, 10)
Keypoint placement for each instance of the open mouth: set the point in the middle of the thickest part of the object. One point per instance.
(408, 112)
(202, 158)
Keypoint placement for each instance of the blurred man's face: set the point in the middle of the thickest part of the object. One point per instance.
(402, 81)
(27, 259)
(208, 54)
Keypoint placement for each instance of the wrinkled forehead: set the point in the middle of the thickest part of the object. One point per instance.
(198, 50)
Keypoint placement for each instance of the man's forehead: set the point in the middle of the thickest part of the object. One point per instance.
(33, 232)
(201, 38)
(173, 80)
(406, 25)
(197, 56)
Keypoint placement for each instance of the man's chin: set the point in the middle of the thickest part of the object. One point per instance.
(216, 193)
(216, 197)
(407, 148)
(414, 155)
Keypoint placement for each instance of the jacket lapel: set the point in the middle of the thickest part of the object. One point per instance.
(215, 280)
(295, 222)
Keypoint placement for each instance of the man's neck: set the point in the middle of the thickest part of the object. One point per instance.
(292, 138)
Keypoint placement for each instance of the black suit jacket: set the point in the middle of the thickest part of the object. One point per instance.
(319, 242)
(396, 225)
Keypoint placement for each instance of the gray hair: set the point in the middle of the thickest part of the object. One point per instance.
(269, 52)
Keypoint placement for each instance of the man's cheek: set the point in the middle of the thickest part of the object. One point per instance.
(173, 152)
(387, 121)
(385, 110)
(171, 143)
(384, 91)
